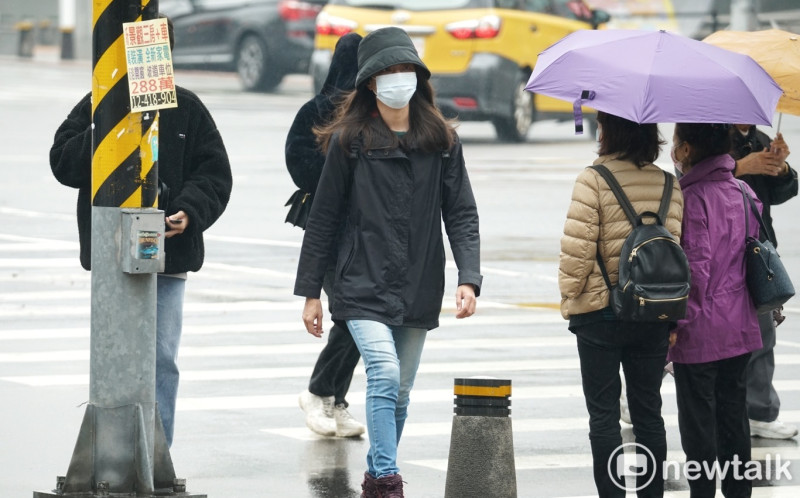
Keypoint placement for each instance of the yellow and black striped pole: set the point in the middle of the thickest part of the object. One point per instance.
(124, 169)
(481, 461)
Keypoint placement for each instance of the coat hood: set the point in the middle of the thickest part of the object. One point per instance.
(383, 48)
(344, 66)
(714, 168)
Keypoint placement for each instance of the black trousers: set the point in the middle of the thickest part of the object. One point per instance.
(712, 418)
(641, 349)
(337, 360)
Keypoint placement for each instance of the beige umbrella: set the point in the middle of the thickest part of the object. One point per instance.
(777, 51)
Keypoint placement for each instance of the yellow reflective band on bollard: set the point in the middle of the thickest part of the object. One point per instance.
(499, 391)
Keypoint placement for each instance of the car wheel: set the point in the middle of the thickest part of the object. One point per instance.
(252, 64)
(514, 128)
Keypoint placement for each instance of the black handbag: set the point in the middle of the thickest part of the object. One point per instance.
(300, 207)
(767, 280)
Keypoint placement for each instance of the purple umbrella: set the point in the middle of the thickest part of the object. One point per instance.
(655, 77)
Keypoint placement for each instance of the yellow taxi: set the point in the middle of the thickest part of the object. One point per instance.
(480, 52)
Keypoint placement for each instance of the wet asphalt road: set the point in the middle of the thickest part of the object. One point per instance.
(245, 355)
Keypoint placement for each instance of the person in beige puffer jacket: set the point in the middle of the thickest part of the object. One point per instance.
(596, 225)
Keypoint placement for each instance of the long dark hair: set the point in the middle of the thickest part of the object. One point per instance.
(706, 139)
(634, 142)
(428, 130)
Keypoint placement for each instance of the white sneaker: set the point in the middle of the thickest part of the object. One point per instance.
(346, 425)
(772, 430)
(319, 413)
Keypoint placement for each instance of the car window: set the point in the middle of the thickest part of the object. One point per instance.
(222, 4)
(544, 6)
(416, 5)
(571, 9)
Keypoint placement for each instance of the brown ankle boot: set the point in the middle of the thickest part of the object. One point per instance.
(389, 486)
(368, 489)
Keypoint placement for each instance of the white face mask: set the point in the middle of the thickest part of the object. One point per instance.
(396, 89)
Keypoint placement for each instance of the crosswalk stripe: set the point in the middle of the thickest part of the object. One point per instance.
(473, 367)
(523, 317)
(519, 426)
(28, 297)
(37, 262)
(309, 347)
(782, 491)
(582, 460)
(198, 308)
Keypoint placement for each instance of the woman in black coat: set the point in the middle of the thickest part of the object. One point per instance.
(394, 170)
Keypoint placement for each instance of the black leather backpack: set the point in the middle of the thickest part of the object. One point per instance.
(654, 275)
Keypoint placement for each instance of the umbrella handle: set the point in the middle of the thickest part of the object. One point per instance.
(780, 117)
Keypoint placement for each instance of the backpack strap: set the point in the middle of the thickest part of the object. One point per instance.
(624, 203)
(666, 197)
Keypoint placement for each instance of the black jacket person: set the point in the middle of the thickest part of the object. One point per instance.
(324, 401)
(193, 165)
(761, 163)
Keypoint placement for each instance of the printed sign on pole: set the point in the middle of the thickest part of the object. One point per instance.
(151, 81)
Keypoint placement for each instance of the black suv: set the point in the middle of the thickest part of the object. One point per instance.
(262, 40)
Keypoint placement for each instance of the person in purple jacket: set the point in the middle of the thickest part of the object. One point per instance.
(710, 348)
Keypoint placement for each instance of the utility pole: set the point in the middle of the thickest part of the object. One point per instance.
(743, 15)
(121, 447)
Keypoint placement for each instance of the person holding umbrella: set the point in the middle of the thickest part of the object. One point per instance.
(711, 347)
(596, 227)
(394, 170)
(761, 163)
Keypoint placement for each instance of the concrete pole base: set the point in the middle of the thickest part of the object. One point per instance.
(111, 457)
(481, 461)
(158, 494)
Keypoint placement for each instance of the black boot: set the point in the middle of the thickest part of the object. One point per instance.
(368, 489)
(389, 486)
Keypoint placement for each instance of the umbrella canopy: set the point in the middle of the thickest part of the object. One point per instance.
(655, 77)
(778, 52)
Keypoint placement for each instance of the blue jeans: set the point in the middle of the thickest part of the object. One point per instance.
(169, 322)
(391, 357)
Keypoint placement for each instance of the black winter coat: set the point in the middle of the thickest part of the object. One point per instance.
(391, 258)
(771, 190)
(304, 159)
(192, 162)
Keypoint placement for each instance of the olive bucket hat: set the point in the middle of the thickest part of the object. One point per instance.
(383, 48)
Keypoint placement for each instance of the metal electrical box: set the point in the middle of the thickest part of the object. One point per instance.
(143, 251)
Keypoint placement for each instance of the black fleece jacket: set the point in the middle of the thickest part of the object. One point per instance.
(192, 162)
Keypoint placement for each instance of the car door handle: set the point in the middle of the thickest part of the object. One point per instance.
(534, 28)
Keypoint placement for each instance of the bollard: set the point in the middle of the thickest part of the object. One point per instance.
(67, 44)
(481, 461)
(26, 40)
